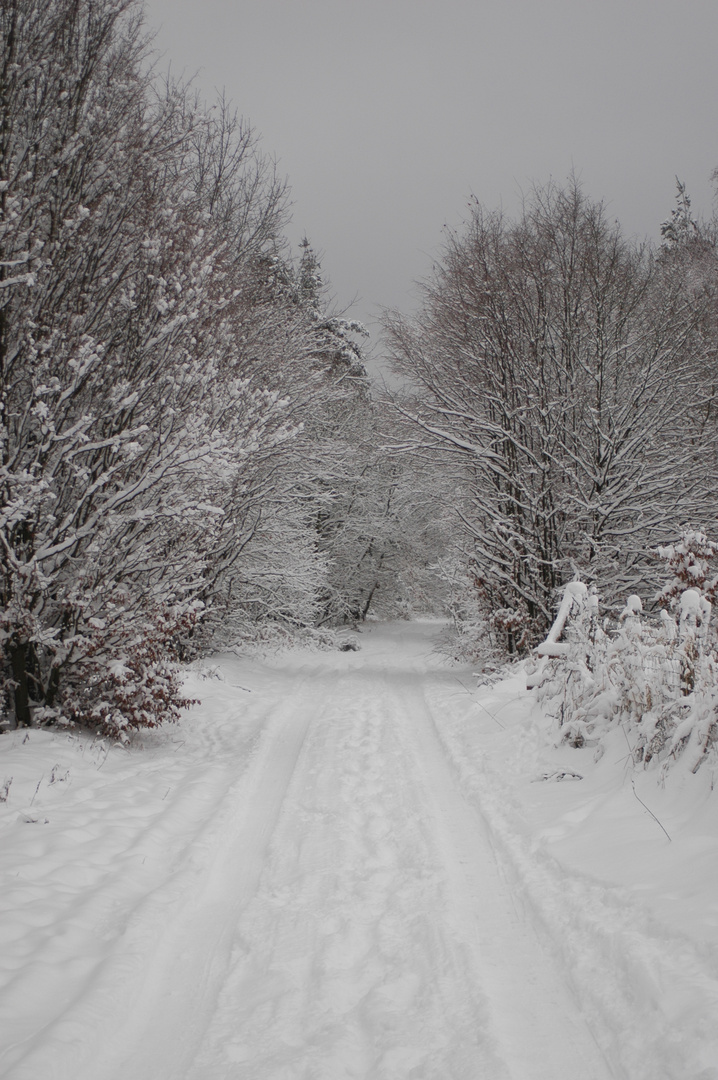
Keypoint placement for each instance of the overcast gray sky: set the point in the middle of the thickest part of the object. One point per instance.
(386, 115)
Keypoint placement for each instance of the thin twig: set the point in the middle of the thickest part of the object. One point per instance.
(633, 785)
(491, 715)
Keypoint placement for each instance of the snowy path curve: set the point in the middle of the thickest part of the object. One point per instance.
(298, 885)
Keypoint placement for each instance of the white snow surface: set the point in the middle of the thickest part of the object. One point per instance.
(354, 865)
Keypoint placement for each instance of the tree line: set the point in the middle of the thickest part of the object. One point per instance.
(189, 448)
(192, 454)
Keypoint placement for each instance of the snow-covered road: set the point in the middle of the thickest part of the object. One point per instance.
(295, 884)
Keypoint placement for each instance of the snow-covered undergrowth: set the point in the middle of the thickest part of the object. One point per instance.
(655, 676)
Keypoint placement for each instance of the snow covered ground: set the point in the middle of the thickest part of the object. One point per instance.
(354, 865)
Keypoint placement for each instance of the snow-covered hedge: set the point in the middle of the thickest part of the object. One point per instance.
(655, 674)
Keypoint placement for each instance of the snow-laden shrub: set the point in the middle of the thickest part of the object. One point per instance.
(689, 563)
(657, 675)
(123, 677)
(470, 636)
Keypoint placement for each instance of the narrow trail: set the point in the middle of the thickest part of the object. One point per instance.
(336, 911)
(362, 924)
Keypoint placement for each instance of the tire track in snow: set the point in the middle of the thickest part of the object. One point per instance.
(651, 996)
(120, 860)
(533, 1015)
(164, 980)
(335, 970)
(382, 943)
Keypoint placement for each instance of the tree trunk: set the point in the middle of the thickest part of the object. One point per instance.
(365, 609)
(18, 660)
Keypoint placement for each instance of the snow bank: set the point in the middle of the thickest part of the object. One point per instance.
(632, 915)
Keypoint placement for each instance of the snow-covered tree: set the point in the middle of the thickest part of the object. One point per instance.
(143, 355)
(554, 364)
(87, 208)
(681, 227)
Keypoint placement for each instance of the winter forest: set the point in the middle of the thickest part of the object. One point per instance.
(194, 456)
(351, 728)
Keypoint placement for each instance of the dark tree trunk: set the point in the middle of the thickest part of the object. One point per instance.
(365, 609)
(18, 660)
